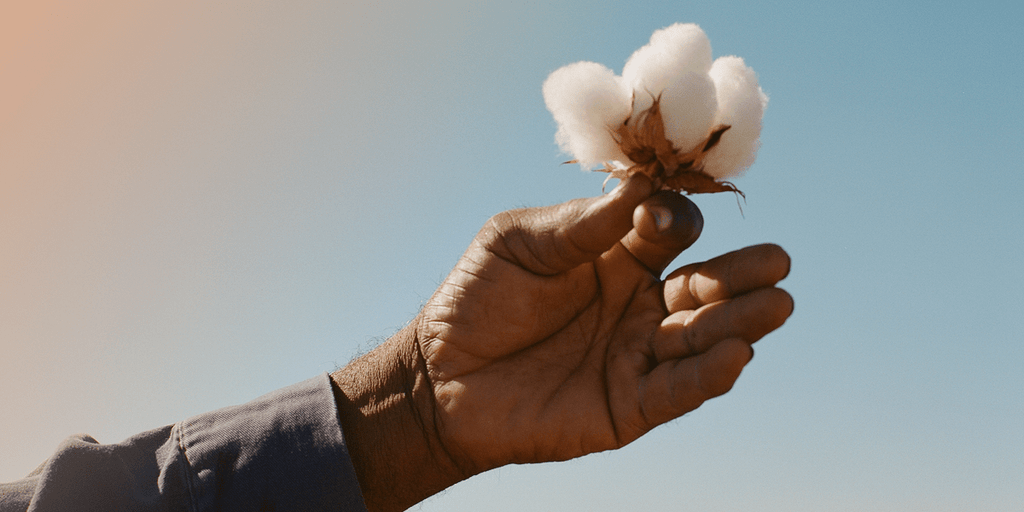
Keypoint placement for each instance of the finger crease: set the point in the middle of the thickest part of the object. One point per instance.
(640, 398)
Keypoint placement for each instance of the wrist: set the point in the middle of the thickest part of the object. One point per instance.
(387, 412)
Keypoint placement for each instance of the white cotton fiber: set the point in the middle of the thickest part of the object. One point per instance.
(741, 104)
(688, 108)
(587, 100)
(696, 97)
(671, 53)
(674, 66)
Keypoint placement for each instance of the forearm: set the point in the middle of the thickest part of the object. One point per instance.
(281, 451)
(387, 413)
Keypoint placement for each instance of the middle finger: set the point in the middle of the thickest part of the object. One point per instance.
(748, 317)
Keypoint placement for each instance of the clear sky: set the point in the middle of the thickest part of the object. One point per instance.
(203, 203)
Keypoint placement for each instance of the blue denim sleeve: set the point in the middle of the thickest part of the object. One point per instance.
(282, 451)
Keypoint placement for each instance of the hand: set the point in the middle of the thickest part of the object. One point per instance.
(555, 337)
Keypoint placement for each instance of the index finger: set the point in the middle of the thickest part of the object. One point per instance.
(726, 276)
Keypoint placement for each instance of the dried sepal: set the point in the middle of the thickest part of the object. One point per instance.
(642, 139)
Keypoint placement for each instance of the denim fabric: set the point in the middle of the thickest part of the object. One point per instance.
(282, 451)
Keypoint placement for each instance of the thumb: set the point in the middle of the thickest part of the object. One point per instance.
(608, 218)
(553, 239)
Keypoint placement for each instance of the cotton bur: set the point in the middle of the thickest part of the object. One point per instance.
(674, 114)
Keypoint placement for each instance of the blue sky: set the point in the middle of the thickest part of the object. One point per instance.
(204, 204)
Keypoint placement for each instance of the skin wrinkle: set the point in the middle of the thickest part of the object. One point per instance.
(447, 305)
(698, 379)
(493, 236)
(554, 397)
(474, 270)
(511, 236)
(572, 245)
(630, 425)
(641, 386)
(571, 237)
(607, 393)
(608, 357)
(650, 364)
(691, 284)
(455, 283)
(654, 274)
(576, 309)
(514, 258)
(572, 322)
(439, 348)
(437, 328)
(450, 294)
(652, 352)
(689, 335)
(508, 229)
(542, 260)
(435, 415)
(727, 283)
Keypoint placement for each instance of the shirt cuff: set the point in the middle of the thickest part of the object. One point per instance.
(282, 451)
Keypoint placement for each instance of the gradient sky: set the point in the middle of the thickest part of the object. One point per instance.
(203, 203)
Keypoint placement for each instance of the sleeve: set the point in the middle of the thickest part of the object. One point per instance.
(283, 451)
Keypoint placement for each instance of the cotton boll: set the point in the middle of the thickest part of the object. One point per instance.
(675, 115)
(741, 104)
(672, 53)
(587, 101)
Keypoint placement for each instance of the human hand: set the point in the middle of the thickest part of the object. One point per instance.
(554, 337)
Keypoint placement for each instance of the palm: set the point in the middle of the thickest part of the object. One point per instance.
(549, 378)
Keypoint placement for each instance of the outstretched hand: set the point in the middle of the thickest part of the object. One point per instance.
(555, 337)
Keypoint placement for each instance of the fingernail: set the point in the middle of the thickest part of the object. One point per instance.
(662, 217)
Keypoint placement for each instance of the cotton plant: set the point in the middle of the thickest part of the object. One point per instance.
(676, 115)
